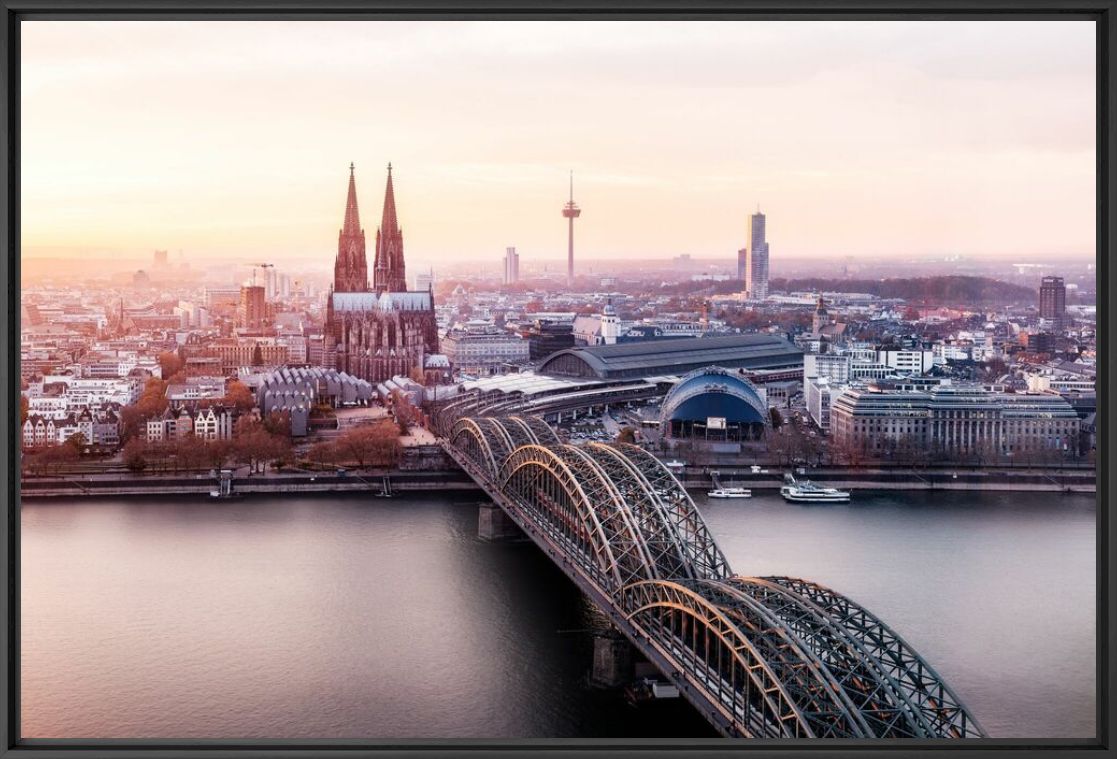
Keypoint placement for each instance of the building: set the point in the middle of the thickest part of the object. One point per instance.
(836, 367)
(227, 354)
(296, 392)
(819, 394)
(600, 329)
(952, 422)
(376, 332)
(742, 266)
(482, 352)
(252, 311)
(714, 403)
(821, 318)
(756, 266)
(1053, 300)
(658, 358)
(194, 389)
(511, 266)
(213, 423)
(546, 337)
(206, 424)
(99, 427)
(159, 260)
(907, 360)
(424, 280)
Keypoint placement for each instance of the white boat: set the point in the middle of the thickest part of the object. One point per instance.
(729, 493)
(676, 464)
(805, 491)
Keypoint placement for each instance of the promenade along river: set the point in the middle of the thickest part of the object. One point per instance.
(359, 618)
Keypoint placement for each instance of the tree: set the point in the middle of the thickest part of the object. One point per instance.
(153, 399)
(238, 396)
(370, 445)
(76, 443)
(24, 404)
(278, 423)
(323, 453)
(777, 417)
(405, 412)
(216, 453)
(627, 435)
(170, 363)
(257, 355)
(135, 456)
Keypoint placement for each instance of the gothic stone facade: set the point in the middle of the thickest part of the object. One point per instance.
(377, 332)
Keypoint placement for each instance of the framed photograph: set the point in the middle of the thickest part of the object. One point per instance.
(412, 378)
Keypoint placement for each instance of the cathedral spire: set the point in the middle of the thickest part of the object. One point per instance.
(388, 268)
(352, 223)
(351, 265)
(389, 224)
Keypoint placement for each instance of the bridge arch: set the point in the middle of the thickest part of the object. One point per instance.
(696, 636)
(541, 482)
(467, 436)
(885, 670)
(702, 552)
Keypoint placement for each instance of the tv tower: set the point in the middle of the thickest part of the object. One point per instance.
(570, 212)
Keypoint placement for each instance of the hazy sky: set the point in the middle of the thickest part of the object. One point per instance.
(233, 139)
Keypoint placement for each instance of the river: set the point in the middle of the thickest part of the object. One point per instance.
(341, 617)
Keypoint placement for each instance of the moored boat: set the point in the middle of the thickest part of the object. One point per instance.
(805, 491)
(729, 493)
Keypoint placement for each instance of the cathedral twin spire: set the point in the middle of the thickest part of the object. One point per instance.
(351, 265)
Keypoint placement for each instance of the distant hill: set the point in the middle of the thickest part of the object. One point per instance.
(947, 291)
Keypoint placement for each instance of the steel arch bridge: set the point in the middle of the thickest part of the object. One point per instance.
(767, 657)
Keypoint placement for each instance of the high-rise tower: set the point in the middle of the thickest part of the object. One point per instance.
(351, 266)
(388, 269)
(1053, 300)
(570, 212)
(511, 266)
(756, 266)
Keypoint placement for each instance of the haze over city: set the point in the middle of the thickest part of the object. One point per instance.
(866, 139)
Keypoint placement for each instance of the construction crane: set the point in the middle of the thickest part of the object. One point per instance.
(259, 266)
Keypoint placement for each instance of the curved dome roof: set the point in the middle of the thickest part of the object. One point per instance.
(714, 391)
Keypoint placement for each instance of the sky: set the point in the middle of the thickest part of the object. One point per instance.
(231, 141)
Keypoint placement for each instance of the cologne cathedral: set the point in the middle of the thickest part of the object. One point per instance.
(377, 332)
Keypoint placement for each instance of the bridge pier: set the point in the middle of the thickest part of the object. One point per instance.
(612, 660)
(493, 524)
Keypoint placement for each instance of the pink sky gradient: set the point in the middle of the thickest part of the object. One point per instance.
(232, 140)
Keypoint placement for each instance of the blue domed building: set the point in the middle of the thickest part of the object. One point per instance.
(716, 404)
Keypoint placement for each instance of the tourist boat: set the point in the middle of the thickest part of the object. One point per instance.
(676, 464)
(805, 491)
(729, 493)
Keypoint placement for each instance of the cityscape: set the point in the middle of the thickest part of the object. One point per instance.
(945, 369)
(599, 446)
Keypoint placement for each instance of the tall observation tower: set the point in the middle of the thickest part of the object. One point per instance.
(570, 212)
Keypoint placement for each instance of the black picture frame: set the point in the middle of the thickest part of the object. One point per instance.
(1103, 12)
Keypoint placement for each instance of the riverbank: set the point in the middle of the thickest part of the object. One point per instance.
(845, 478)
(202, 484)
(397, 481)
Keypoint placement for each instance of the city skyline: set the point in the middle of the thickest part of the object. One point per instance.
(898, 138)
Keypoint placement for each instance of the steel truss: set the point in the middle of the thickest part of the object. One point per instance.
(771, 656)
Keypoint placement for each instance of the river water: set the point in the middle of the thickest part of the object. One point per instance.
(335, 617)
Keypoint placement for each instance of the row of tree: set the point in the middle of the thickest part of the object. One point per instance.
(370, 445)
(256, 444)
